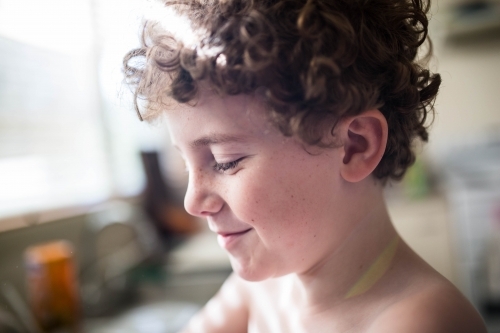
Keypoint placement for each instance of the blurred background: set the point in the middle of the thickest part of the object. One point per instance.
(88, 190)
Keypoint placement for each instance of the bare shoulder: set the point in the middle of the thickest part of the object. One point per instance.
(227, 311)
(437, 308)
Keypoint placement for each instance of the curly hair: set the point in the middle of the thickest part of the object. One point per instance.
(314, 61)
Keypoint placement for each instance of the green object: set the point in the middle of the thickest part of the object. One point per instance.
(150, 273)
(416, 184)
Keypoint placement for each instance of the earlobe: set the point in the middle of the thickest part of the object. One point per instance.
(364, 140)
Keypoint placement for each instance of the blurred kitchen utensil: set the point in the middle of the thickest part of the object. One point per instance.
(118, 237)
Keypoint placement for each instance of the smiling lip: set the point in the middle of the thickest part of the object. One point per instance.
(228, 239)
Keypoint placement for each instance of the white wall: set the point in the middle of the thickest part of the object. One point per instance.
(468, 104)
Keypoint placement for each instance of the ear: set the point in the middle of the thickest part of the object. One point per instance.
(364, 139)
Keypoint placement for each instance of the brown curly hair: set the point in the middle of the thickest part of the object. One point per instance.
(313, 60)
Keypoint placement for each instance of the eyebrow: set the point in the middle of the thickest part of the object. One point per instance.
(213, 139)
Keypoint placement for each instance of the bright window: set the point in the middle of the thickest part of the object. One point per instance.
(67, 136)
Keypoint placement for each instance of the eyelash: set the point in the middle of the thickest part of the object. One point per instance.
(221, 167)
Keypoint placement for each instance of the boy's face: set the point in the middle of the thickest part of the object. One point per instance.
(276, 208)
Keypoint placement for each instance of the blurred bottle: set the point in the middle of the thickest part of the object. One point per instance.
(169, 217)
(52, 287)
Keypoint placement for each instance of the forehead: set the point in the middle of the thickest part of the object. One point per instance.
(231, 117)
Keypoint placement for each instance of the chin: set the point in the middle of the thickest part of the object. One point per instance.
(254, 273)
(248, 273)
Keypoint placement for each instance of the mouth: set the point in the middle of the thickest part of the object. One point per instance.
(228, 239)
(227, 234)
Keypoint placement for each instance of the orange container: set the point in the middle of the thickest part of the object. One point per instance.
(52, 287)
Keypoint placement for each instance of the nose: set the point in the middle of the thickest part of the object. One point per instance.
(201, 197)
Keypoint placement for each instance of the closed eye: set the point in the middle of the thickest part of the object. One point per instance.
(221, 167)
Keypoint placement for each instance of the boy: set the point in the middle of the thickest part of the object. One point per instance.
(291, 115)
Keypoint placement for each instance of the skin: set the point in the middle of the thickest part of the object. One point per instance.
(303, 226)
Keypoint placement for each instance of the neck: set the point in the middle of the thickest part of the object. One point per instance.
(359, 263)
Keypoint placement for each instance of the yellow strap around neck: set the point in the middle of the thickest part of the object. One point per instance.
(375, 271)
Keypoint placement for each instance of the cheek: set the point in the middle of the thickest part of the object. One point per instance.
(289, 204)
